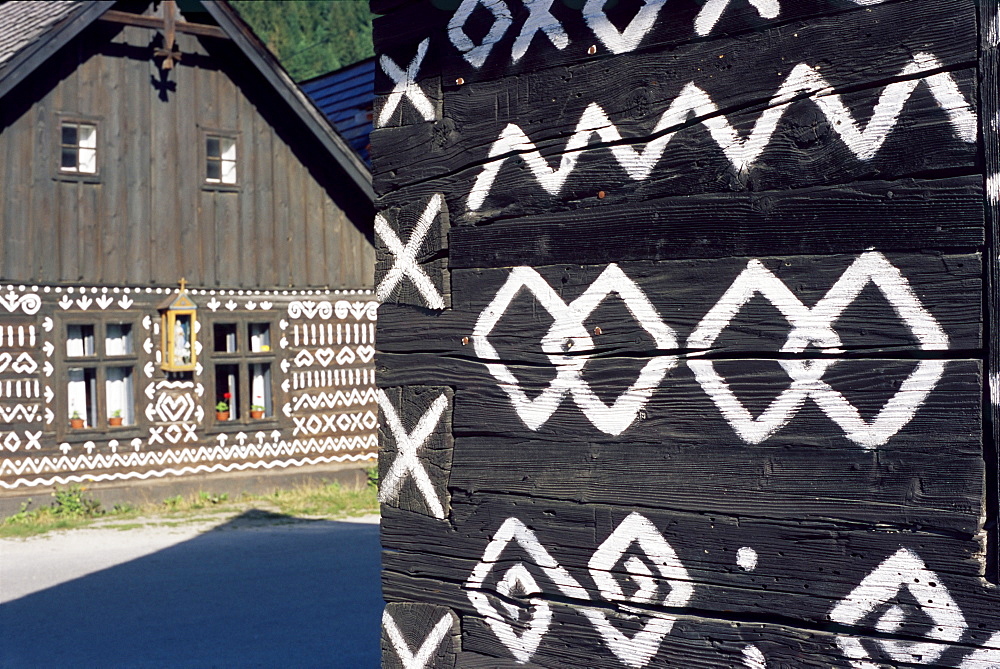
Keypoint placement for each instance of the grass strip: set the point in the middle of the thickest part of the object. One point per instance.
(74, 507)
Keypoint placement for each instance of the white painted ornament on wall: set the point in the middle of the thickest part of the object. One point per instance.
(902, 571)
(540, 20)
(419, 658)
(638, 650)
(476, 54)
(815, 327)
(407, 463)
(742, 153)
(519, 582)
(713, 9)
(405, 86)
(810, 326)
(405, 264)
(568, 332)
(619, 42)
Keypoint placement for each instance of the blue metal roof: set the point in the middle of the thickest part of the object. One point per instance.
(346, 97)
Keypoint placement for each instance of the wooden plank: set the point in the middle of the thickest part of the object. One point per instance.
(401, 30)
(905, 215)
(246, 161)
(207, 117)
(415, 449)
(990, 102)
(261, 143)
(136, 120)
(739, 77)
(113, 161)
(229, 232)
(418, 231)
(285, 260)
(684, 292)
(800, 577)
(90, 205)
(315, 226)
(192, 265)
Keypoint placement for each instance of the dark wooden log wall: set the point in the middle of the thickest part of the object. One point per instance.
(148, 218)
(322, 373)
(682, 352)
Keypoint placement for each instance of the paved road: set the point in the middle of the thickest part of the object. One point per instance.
(241, 594)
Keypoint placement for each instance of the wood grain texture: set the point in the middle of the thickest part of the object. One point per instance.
(433, 450)
(740, 76)
(420, 626)
(720, 405)
(149, 202)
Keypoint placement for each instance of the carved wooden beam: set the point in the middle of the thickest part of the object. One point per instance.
(115, 16)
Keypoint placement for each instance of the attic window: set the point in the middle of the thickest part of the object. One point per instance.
(220, 159)
(78, 145)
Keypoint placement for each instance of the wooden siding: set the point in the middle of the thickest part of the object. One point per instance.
(147, 218)
(682, 358)
(322, 387)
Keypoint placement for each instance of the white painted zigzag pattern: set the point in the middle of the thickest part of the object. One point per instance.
(803, 82)
(136, 460)
(200, 469)
(323, 400)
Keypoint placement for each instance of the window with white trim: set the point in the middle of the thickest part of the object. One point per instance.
(78, 147)
(220, 159)
(100, 370)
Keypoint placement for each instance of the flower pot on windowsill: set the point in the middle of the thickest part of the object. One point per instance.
(221, 415)
(76, 423)
(256, 415)
(115, 421)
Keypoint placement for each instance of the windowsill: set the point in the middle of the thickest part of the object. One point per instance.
(225, 188)
(84, 434)
(80, 177)
(248, 425)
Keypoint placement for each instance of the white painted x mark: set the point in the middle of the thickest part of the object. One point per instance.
(419, 659)
(406, 265)
(407, 444)
(406, 87)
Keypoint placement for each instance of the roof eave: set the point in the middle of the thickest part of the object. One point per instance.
(238, 31)
(25, 61)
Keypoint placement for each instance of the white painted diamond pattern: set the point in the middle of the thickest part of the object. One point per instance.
(903, 570)
(568, 327)
(524, 644)
(638, 650)
(815, 326)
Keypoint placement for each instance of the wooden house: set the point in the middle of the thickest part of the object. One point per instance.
(688, 350)
(179, 227)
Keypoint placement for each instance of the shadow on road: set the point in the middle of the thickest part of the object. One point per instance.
(246, 594)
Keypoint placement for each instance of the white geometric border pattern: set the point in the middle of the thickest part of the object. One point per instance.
(808, 326)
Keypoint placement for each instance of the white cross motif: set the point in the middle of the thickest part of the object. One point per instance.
(518, 580)
(407, 444)
(568, 332)
(903, 570)
(638, 650)
(815, 326)
(405, 265)
(420, 658)
(406, 87)
(539, 20)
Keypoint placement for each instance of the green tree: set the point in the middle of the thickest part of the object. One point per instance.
(311, 38)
